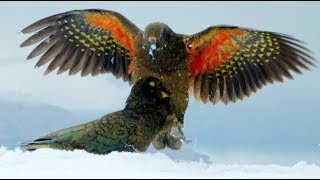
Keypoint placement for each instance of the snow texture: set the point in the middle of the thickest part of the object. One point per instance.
(47, 163)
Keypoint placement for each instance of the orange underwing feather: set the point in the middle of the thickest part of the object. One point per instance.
(230, 63)
(110, 23)
(130, 68)
(100, 41)
(209, 51)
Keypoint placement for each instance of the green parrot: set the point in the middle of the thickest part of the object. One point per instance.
(131, 129)
(222, 63)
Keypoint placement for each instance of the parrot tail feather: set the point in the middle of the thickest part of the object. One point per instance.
(37, 144)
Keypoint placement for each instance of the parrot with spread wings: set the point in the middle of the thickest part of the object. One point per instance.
(221, 63)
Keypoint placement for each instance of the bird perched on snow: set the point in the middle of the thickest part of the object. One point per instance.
(220, 63)
(131, 129)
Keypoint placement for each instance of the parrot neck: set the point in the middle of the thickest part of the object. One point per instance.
(136, 106)
(146, 106)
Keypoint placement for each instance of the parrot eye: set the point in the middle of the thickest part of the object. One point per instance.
(152, 84)
(189, 43)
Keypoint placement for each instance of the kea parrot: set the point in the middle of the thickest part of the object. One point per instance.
(131, 129)
(221, 63)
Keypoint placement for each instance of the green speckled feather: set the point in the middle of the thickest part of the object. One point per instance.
(131, 129)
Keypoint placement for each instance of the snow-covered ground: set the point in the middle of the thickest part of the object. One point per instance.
(47, 163)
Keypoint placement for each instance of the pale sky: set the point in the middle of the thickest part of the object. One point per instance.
(285, 113)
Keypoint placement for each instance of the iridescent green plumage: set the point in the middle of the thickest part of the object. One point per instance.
(131, 129)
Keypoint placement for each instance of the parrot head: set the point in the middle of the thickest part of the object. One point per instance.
(156, 36)
(151, 93)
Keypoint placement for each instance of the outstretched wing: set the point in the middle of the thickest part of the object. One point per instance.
(229, 63)
(86, 41)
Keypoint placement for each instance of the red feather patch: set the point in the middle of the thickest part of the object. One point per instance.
(110, 23)
(130, 68)
(210, 50)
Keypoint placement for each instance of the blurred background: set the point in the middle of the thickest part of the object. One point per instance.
(278, 124)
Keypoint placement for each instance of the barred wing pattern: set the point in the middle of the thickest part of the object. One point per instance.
(86, 41)
(230, 63)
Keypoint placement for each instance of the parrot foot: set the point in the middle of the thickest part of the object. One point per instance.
(174, 143)
(177, 133)
(159, 142)
(171, 137)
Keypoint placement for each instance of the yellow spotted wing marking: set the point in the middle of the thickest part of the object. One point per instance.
(112, 24)
(261, 49)
(93, 42)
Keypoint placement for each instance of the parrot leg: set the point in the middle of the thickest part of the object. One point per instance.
(171, 135)
(181, 134)
(160, 140)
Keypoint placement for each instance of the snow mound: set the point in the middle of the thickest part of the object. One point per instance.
(48, 163)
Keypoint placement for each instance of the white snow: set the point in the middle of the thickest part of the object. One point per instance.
(47, 163)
